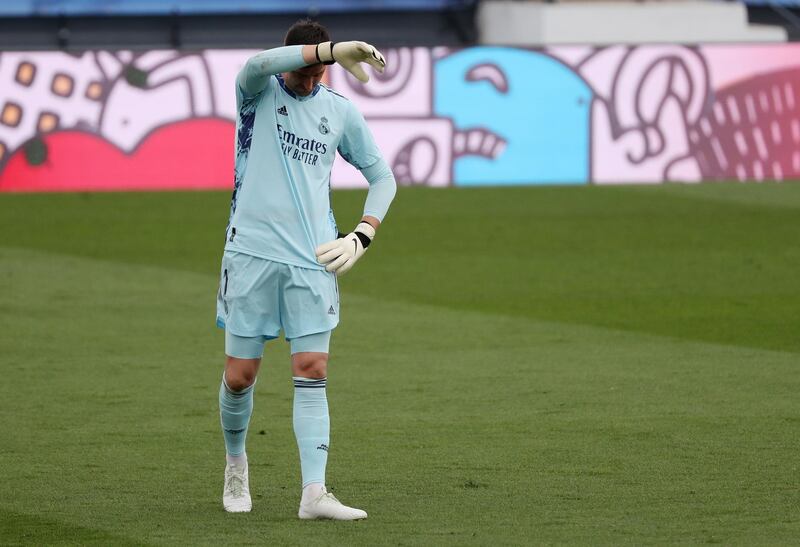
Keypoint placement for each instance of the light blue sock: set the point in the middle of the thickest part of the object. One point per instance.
(235, 408)
(312, 427)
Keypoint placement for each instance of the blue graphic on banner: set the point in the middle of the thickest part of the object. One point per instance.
(535, 105)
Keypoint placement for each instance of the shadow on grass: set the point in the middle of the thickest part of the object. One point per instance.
(19, 529)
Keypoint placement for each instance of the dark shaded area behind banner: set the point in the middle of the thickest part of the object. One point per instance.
(50, 8)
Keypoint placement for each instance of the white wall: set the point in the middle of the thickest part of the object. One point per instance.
(607, 22)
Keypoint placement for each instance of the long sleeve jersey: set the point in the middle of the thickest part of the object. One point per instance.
(285, 148)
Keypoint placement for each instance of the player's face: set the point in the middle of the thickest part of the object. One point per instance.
(303, 80)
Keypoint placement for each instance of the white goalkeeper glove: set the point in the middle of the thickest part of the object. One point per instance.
(339, 255)
(349, 55)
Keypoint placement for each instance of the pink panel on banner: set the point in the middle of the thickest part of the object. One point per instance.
(419, 151)
(404, 90)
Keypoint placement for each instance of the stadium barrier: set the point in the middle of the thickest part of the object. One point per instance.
(122, 120)
(49, 8)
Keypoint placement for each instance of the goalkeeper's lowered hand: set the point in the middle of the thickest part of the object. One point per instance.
(339, 255)
(349, 55)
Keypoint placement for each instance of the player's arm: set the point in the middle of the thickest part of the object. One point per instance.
(358, 148)
(382, 189)
(341, 254)
(255, 74)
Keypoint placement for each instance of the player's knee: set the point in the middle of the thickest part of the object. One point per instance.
(240, 374)
(239, 382)
(310, 365)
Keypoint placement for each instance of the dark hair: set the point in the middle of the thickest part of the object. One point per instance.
(306, 31)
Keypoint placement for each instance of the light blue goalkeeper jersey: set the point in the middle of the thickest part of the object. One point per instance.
(285, 147)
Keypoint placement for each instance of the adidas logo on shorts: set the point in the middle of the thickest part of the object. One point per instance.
(331, 311)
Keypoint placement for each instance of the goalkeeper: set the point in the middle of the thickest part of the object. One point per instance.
(283, 250)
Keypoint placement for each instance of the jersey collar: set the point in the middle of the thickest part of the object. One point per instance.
(292, 94)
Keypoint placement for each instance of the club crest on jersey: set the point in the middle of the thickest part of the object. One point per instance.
(323, 126)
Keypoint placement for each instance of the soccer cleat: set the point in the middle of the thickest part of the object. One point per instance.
(236, 493)
(326, 506)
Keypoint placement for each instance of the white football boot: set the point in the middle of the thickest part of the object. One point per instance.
(236, 493)
(326, 506)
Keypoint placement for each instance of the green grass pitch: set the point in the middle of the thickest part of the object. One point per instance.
(574, 365)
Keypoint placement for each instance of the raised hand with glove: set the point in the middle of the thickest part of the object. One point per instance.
(350, 55)
(339, 255)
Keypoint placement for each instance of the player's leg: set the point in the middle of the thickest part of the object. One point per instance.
(235, 409)
(309, 312)
(243, 358)
(312, 428)
(311, 419)
(247, 303)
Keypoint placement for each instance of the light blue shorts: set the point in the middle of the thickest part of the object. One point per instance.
(252, 347)
(259, 297)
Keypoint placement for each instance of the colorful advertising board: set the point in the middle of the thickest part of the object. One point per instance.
(123, 120)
